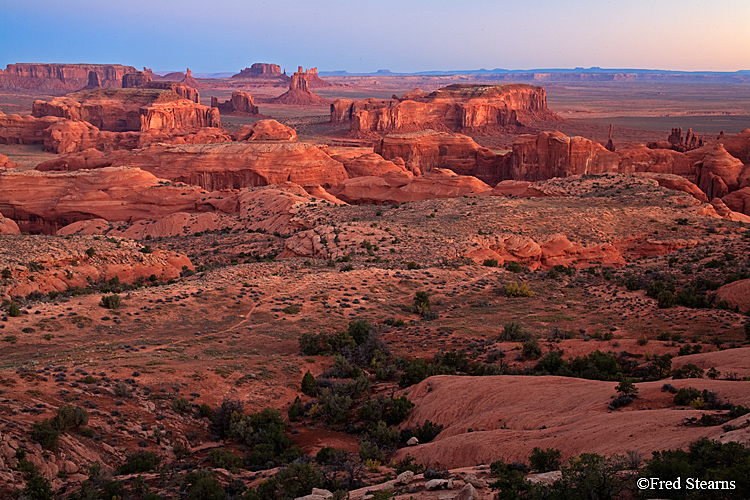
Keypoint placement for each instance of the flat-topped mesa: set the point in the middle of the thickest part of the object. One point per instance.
(240, 104)
(61, 77)
(262, 70)
(180, 88)
(461, 107)
(299, 91)
(122, 110)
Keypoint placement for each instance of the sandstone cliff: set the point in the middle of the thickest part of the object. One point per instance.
(262, 70)
(61, 77)
(240, 104)
(454, 108)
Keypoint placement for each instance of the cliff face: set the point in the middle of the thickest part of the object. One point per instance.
(240, 104)
(261, 70)
(61, 77)
(180, 88)
(122, 110)
(453, 108)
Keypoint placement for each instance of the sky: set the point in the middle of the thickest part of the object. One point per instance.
(399, 35)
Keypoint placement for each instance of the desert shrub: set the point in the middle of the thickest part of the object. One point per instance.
(341, 368)
(514, 331)
(627, 387)
(90, 251)
(545, 460)
(370, 451)
(688, 371)
(111, 301)
(707, 460)
(335, 407)
(296, 410)
(736, 411)
(421, 303)
(263, 428)
(514, 289)
(424, 433)
(360, 330)
(691, 297)
(514, 267)
(383, 436)
(665, 300)
(392, 411)
(142, 461)
(620, 401)
(309, 385)
(409, 463)
(181, 405)
(13, 310)
(413, 265)
(7, 273)
(221, 419)
(690, 396)
(490, 263)
(591, 476)
(45, 434)
(669, 388)
(225, 459)
(415, 371)
(532, 350)
(713, 373)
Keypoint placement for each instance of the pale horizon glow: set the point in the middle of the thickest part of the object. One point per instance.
(399, 35)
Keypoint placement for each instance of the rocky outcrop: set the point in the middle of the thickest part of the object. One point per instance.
(454, 108)
(114, 110)
(738, 201)
(639, 158)
(718, 173)
(61, 77)
(182, 89)
(371, 164)
(553, 154)
(239, 164)
(6, 163)
(262, 70)
(136, 79)
(402, 186)
(16, 129)
(428, 150)
(736, 294)
(677, 183)
(43, 202)
(178, 115)
(266, 130)
(299, 93)
(94, 82)
(314, 81)
(240, 104)
(8, 226)
(680, 143)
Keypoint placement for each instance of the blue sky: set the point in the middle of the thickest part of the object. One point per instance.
(400, 35)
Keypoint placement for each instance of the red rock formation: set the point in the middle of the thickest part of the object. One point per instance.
(676, 183)
(262, 70)
(738, 201)
(43, 202)
(8, 226)
(136, 79)
(687, 143)
(314, 81)
(16, 129)
(180, 88)
(61, 77)
(178, 115)
(456, 108)
(6, 163)
(718, 173)
(639, 158)
(239, 165)
(737, 294)
(738, 145)
(190, 81)
(402, 186)
(371, 164)
(299, 91)
(427, 150)
(240, 104)
(69, 136)
(553, 154)
(266, 130)
(94, 82)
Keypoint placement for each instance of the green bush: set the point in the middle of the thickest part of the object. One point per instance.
(360, 330)
(112, 302)
(514, 331)
(545, 460)
(335, 407)
(309, 385)
(421, 303)
(296, 410)
(424, 433)
(90, 251)
(514, 289)
(627, 387)
(666, 299)
(514, 267)
(142, 461)
(13, 310)
(532, 350)
(490, 263)
(45, 434)
(181, 405)
(225, 459)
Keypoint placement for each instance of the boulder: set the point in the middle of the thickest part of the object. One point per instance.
(6, 163)
(405, 477)
(738, 201)
(8, 226)
(437, 484)
(737, 295)
(466, 493)
(639, 158)
(413, 441)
